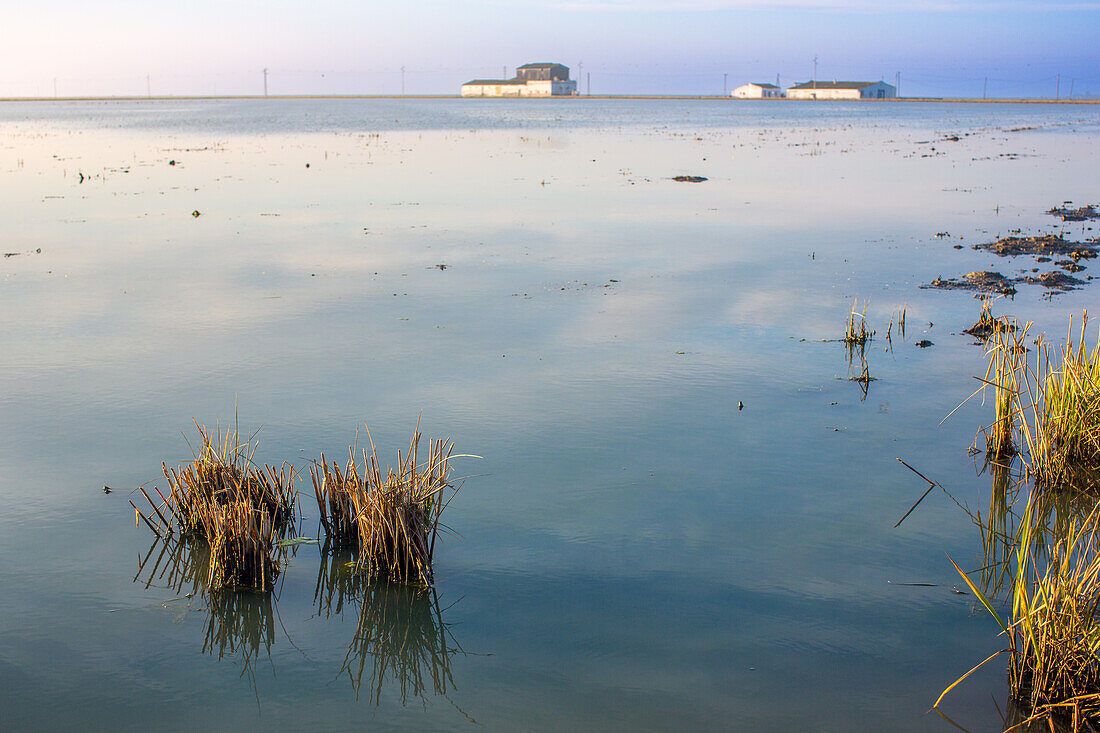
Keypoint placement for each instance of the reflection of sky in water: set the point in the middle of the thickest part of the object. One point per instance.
(637, 552)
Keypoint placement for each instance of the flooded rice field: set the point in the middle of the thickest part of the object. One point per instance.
(682, 513)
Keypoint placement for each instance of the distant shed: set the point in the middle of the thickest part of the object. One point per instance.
(758, 90)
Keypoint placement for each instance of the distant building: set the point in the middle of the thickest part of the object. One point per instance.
(758, 90)
(842, 90)
(531, 80)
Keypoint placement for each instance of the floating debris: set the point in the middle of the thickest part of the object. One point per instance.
(689, 179)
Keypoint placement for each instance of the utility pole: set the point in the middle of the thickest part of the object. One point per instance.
(589, 77)
(724, 84)
(580, 72)
(402, 80)
(815, 72)
(1058, 87)
(1070, 89)
(55, 87)
(777, 81)
(265, 82)
(984, 85)
(503, 72)
(897, 83)
(148, 87)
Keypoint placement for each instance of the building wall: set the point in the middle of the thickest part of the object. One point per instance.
(752, 91)
(823, 94)
(552, 73)
(530, 89)
(881, 90)
(878, 90)
(493, 90)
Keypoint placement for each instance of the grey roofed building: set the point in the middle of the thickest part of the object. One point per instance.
(531, 80)
(832, 84)
(842, 90)
(497, 81)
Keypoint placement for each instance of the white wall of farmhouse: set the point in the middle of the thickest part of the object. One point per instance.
(878, 90)
(755, 91)
(537, 88)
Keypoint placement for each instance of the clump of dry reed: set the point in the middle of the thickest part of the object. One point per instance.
(857, 333)
(988, 324)
(223, 473)
(243, 547)
(239, 509)
(391, 517)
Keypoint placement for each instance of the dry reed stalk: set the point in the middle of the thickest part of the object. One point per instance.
(1004, 375)
(988, 324)
(243, 547)
(857, 333)
(391, 518)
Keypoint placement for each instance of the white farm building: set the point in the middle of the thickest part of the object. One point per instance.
(842, 90)
(758, 90)
(531, 80)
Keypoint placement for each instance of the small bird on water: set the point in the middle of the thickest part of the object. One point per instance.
(740, 405)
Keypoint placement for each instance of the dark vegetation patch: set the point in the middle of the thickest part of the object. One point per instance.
(984, 282)
(1082, 213)
(1050, 245)
(1054, 280)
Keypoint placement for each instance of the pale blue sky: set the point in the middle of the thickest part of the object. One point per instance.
(629, 46)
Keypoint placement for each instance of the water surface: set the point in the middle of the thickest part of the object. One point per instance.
(635, 550)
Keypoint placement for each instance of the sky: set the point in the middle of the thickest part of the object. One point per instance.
(1004, 48)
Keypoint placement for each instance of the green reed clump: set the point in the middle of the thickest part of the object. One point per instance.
(1054, 627)
(393, 517)
(857, 333)
(1068, 420)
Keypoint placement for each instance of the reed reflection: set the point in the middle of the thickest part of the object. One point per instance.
(240, 624)
(400, 639)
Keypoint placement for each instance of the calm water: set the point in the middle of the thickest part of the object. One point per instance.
(635, 551)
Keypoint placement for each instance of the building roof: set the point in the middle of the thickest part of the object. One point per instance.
(540, 66)
(836, 84)
(484, 82)
(762, 84)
